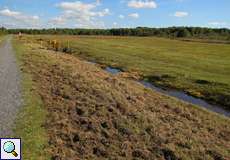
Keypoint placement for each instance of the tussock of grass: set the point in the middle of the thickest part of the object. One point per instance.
(29, 123)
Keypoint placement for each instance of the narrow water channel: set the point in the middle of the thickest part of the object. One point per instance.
(180, 95)
(190, 99)
(113, 70)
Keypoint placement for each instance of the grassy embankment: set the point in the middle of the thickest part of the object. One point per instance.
(200, 69)
(95, 115)
(1, 38)
(29, 124)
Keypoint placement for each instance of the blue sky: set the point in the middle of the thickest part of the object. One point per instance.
(114, 13)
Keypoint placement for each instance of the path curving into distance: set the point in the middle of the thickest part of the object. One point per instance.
(10, 97)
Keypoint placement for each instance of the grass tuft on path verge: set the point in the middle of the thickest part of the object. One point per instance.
(29, 123)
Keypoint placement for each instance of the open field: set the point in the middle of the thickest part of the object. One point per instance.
(94, 115)
(205, 40)
(200, 69)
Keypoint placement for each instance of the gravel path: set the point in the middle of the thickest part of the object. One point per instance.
(10, 98)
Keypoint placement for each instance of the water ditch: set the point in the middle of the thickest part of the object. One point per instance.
(177, 94)
(187, 98)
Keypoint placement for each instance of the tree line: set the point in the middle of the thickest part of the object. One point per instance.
(171, 32)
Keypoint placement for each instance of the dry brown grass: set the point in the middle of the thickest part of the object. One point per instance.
(95, 115)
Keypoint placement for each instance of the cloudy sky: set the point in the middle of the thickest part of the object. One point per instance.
(114, 13)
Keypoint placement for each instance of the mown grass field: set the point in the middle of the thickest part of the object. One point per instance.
(87, 113)
(200, 69)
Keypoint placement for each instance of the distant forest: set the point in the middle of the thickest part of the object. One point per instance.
(171, 32)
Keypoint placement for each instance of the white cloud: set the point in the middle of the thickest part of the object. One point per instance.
(57, 21)
(98, 2)
(83, 14)
(103, 13)
(219, 24)
(216, 23)
(134, 15)
(17, 15)
(92, 24)
(142, 4)
(9, 24)
(19, 18)
(181, 14)
(9, 13)
(121, 16)
(77, 6)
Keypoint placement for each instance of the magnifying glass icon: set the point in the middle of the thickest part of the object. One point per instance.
(9, 147)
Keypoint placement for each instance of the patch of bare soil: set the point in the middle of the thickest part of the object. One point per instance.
(95, 115)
